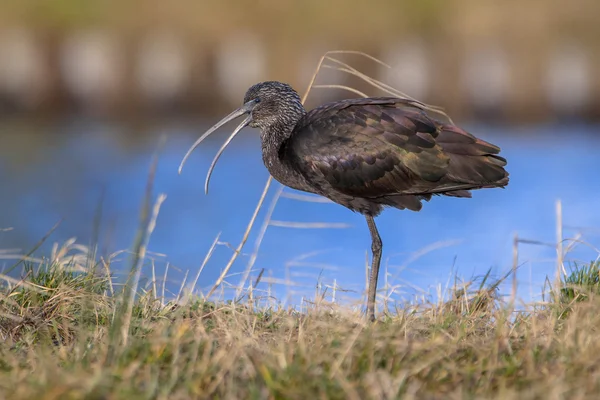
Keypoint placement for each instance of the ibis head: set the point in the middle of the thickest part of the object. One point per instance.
(268, 106)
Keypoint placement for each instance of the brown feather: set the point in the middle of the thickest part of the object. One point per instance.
(389, 151)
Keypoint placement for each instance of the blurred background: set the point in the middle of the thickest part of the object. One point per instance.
(87, 88)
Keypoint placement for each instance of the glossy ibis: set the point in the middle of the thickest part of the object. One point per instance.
(363, 153)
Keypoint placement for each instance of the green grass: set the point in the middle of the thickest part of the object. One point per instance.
(57, 344)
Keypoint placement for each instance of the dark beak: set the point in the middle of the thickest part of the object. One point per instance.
(245, 109)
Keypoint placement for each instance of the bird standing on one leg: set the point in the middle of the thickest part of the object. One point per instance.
(365, 154)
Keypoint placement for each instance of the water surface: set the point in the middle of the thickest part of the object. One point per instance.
(81, 162)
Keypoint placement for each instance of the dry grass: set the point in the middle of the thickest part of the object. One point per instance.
(56, 343)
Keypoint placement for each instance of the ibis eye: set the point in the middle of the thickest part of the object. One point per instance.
(257, 100)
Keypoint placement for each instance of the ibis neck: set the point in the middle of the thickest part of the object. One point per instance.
(272, 139)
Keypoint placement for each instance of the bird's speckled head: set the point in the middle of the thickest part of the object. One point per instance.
(276, 104)
(273, 107)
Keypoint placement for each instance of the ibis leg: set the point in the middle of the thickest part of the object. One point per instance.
(376, 247)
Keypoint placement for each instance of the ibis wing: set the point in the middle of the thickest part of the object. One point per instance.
(368, 148)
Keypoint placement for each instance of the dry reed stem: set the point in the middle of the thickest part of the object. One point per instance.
(344, 87)
(108, 276)
(415, 255)
(164, 283)
(138, 266)
(22, 282)
(513, 296)
(244, 238)
(560, 268)
(259, 239)
(154, 292)
(344, 67)
(309, 225)
(306, 198)
(204, 262)
(178, 298)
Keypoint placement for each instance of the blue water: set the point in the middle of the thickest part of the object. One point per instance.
(68, 176)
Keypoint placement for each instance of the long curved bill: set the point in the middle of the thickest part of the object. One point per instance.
(245, 109)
